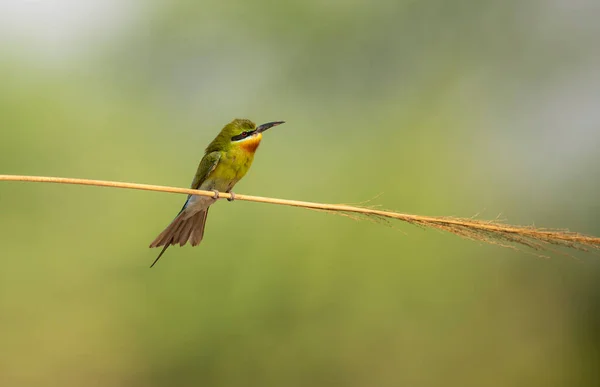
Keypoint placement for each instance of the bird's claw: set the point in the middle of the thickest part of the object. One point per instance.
(232, 198)
(217, 194)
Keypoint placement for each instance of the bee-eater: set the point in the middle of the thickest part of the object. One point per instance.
(226, 160)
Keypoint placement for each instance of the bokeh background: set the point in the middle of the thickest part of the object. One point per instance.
(445, 107)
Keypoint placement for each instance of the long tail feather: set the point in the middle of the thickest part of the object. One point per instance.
(182, 229)
(198, 231)
(159, 255)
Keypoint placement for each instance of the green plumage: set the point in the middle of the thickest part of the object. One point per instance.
(223, 140)
(227, 159)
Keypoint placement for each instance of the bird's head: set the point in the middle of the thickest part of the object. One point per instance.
(245, 134)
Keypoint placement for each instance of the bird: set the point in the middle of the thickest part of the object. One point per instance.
(226, 160)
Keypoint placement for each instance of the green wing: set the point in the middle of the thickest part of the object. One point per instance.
(207, 165)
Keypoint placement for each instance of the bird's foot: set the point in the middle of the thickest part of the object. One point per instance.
(217, 193)
(232, 198)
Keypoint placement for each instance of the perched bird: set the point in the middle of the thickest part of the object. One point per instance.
(226, 160)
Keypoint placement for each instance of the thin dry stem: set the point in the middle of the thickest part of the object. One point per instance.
(488, 231)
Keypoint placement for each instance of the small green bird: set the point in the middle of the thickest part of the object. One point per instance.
(226, 160)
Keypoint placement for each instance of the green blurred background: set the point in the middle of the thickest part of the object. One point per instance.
(445, 107)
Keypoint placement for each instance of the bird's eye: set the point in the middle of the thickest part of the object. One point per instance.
(242, 135)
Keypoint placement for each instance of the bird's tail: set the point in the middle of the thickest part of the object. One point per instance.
(183, 228)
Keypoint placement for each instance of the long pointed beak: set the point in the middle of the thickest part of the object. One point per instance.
(268, 125)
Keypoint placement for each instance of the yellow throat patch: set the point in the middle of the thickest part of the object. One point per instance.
(251, 144)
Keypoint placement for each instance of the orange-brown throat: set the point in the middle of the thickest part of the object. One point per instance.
(250, 145)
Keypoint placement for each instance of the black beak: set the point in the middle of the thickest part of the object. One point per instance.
(268, 125)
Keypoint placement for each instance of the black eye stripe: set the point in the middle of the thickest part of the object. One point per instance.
(242, 135)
